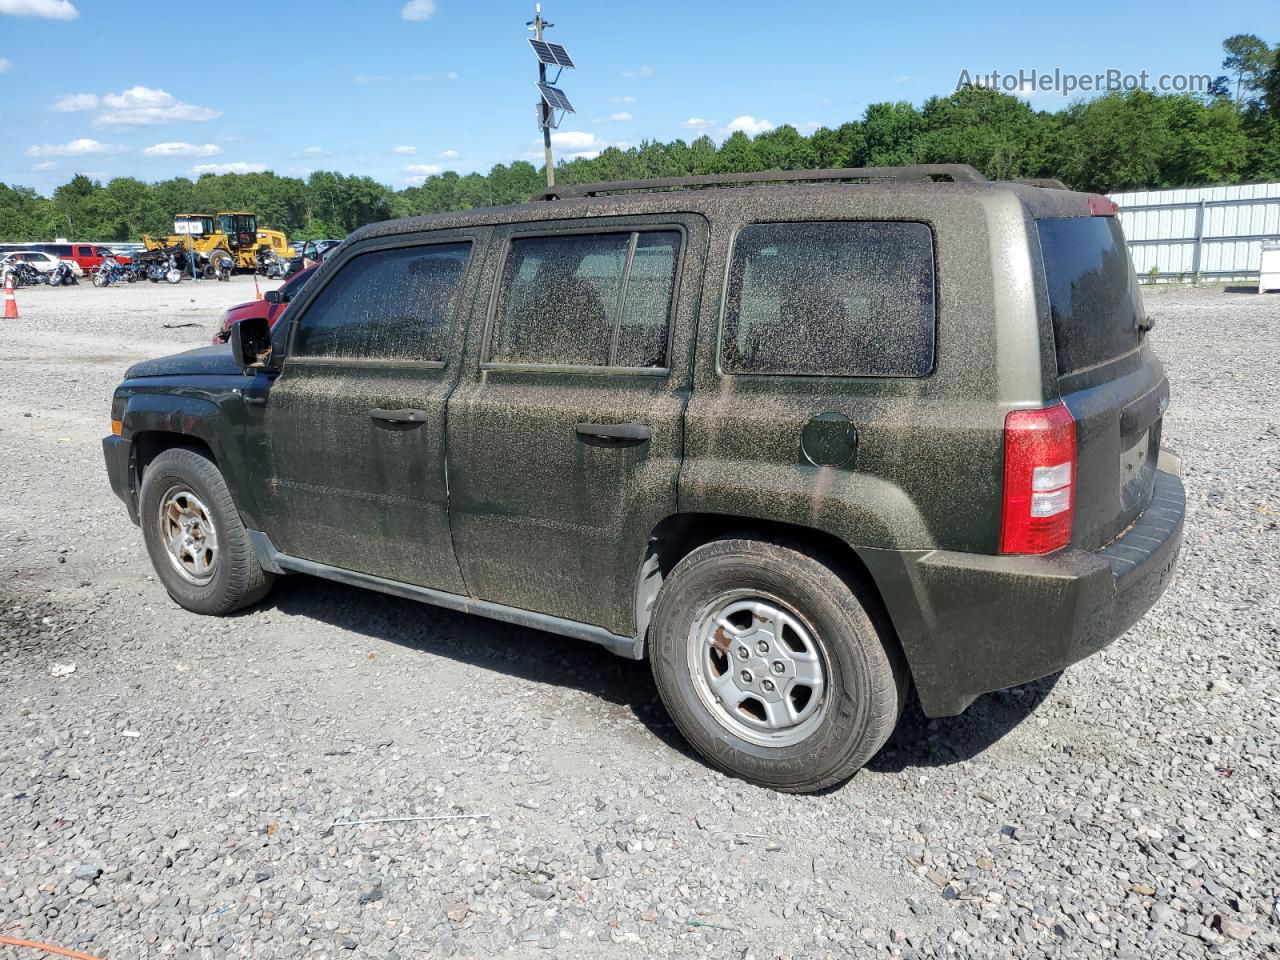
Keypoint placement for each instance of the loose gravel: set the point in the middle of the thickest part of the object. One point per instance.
(172, 785)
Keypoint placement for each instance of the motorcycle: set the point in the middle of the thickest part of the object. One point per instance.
(62, 276)
(109, 271)
(24, 274)
(270, 265)
(219, 266)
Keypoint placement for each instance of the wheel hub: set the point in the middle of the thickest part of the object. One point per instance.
(190, 538)
(759, 669)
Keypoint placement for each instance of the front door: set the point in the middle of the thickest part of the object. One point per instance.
(566, 431)
(355, 424)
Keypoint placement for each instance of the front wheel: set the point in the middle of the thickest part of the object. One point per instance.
(772, 666)
(198, 545)
(99, 279)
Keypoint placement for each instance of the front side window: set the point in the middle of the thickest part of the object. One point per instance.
(587, 299)
(388, 305)
(839, 299)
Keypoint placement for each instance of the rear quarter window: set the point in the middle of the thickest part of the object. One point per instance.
(841, 299)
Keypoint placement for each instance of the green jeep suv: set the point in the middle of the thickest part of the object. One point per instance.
(800, 439)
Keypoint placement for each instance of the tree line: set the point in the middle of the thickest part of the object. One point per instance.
(1119, 141)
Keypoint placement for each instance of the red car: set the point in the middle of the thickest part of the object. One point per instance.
(262, 308)
(89, 256)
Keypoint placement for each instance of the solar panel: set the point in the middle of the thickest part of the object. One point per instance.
(556, 98)
(561, 54)
(543, 52)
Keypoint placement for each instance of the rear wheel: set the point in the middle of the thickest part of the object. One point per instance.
(198, 545)
(772, 667)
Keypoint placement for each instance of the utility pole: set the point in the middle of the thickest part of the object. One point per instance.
(543, 106)
(553, 98)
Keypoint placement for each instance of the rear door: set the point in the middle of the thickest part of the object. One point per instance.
(354, 426)
(565, 434)
(1107, 374)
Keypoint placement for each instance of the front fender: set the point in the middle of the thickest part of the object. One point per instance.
(212, 414)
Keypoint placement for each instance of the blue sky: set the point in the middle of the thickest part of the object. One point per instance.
(396, 90)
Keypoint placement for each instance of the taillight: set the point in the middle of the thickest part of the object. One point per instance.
(1039, 480)
(1100, 206)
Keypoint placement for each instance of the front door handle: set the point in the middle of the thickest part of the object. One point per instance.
(399, 416)
(614, 432)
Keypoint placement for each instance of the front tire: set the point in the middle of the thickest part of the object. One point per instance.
(197, 543)
(772, 667)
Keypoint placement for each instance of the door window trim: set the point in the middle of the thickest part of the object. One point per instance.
(634, 229)
(393, 242)
(857, 378)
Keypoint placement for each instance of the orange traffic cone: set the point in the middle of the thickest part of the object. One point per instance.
(10, 304)
(257, 294)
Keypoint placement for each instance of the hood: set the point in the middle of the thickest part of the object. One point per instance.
(203, 362)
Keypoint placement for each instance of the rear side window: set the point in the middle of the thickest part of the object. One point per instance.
(588, 299)
(1093, 294)
(848, 299)
(58, 249)
(387, 305)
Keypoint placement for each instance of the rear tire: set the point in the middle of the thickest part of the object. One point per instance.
(198, 545)
(739, 608)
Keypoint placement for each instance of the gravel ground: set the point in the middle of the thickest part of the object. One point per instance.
(176, 794)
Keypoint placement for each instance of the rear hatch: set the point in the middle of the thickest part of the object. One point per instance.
(1107, 374)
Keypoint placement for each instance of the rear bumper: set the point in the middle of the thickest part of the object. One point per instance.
(973, 623)
(118, 453)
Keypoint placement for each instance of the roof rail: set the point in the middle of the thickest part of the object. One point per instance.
(954, 172)
(1049, 183)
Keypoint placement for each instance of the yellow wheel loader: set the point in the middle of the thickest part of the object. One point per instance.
(234, 231)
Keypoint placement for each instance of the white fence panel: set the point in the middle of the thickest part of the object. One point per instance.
(1201, 232)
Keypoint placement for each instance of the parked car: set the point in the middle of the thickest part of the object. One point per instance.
(268, 309)
(309, 254)
(800, 446)
(87, 256)
(42, 261)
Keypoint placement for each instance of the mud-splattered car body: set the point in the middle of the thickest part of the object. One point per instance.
(481, 473)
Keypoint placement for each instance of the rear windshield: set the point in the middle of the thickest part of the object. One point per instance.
(1093, 293)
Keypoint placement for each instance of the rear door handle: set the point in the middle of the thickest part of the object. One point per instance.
(399, 416)
(616, 432)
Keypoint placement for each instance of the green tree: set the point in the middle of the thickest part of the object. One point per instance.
(1248, 58)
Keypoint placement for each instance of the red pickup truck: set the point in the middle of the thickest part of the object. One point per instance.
(262, 308)
(89, 256)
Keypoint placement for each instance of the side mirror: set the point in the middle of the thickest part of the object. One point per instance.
(251, 343)
(276, 296)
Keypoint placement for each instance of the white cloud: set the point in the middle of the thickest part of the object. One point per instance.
(809, 127)
(405, 150)
(904, 78)
(5, 65)
(748, 125)
(577, 144)
(366, 78)
(138, 106)
(76, 102)
(697, 123)
(644, 71)
(575, 140)
(179, 149)
(451, 75)
(83, 147)
(424, 169)
(49, 9)
(313, 151)
(620, 117)
(45, 165)
(449, 155)
(623, 100)
(418, 10)
(238, 166)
